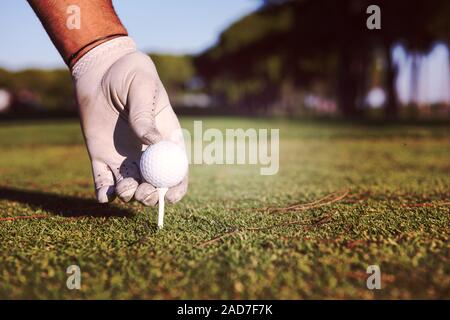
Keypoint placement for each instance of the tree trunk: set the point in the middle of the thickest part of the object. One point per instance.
(347, 85)
(391, 109)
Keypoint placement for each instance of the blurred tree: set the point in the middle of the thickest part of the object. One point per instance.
(300, 41)
(175, 71)
(417, 24)
(52, 88)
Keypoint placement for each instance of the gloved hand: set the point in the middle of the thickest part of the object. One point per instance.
(123, 108)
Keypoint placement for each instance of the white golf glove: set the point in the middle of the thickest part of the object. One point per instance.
(123, 108)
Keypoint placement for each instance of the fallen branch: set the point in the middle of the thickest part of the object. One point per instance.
(36, 216)
(328, 199)
(320, 221)
(426, 204)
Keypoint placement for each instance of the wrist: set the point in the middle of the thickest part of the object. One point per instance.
(95, 20)
(100, 57)
(77, 55)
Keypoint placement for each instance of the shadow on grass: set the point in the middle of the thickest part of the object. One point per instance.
(66, 206)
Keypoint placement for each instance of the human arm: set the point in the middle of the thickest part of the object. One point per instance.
(122, 103)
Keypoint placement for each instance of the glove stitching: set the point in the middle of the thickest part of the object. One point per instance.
(102, 52)
(162, 109)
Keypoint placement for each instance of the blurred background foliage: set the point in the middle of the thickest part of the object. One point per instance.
(290, 57)
(39, 89)
(318, 46)
(175, 71)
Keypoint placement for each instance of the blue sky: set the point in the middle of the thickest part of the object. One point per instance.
(174, 26)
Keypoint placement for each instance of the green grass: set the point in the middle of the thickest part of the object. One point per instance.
(44, 170)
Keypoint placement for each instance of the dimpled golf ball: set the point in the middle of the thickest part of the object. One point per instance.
(164, 164)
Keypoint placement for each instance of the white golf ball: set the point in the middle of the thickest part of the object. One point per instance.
(164, 164)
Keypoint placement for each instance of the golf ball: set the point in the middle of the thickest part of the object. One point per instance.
(164, 164)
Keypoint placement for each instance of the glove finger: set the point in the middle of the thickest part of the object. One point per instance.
(142, 100)
(105, 194)
(127, 179)
(146, 194)
(126, 188)
(176, 193)
(104, 182)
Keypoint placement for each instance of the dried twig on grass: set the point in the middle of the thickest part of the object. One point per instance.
(328, 199)
(36, 216)
(308, 226)
(426, 204)
(215, 239)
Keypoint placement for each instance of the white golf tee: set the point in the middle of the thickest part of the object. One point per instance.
(161, 194)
